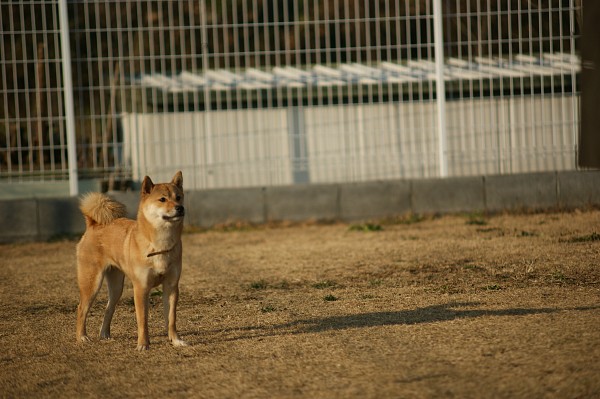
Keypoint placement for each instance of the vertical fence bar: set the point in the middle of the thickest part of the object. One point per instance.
(576, 108)
(68, 96)
(440, 87)
(208, 147)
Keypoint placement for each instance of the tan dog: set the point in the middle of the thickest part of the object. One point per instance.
(146, 250)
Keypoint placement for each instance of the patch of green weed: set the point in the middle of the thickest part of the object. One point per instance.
(492, 287)
(559, 277)
(489, 230)
(447, 289)
(330, 298)
(410, 218)
(268, 309)
(476, 219)
(259, 285)
(376, 282)
(321, 285)
(472, 266)
(524, 233)
(586, 238)
(366, 227)
(283, 285)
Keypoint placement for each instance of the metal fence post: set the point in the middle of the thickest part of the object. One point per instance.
(440, 87)
(208, 142)
(68, 97)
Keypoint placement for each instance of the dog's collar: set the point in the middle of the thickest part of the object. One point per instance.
(164, 251)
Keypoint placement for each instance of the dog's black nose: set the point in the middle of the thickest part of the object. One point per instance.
(180, 209)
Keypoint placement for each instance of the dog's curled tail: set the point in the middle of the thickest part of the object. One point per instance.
(100, 209)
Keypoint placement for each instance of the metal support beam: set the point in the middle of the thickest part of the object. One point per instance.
(68, 97)
(440, 87)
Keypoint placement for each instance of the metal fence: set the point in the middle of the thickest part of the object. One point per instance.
(250, 92)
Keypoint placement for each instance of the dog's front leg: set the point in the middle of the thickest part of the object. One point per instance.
(170, 299)
(141, 298)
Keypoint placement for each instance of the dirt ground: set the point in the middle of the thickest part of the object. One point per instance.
(467, 306)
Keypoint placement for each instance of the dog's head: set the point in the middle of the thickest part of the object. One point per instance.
(162, 204)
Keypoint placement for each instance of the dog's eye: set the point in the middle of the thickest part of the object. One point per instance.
(178, 198)
(162, 199)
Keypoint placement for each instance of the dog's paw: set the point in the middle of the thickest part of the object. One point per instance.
(143, 347)
(83, 338)
(104, 335)
(179, 342)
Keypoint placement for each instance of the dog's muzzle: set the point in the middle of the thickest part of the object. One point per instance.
(179, 213)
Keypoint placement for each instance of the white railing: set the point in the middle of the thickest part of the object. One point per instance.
(251, 93)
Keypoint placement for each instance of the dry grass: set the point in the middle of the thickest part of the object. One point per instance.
(464, 306)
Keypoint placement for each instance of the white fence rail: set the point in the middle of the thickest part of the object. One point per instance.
(252, 93)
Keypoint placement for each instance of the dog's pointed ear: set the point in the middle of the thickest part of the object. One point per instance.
(178, 179)
(147, 185)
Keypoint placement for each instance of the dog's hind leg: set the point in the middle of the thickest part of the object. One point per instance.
(114, 283)
(90, 281)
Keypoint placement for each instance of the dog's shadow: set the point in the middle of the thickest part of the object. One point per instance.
(429, 314)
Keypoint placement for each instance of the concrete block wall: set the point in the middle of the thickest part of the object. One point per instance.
(526, 191)
(44, 218)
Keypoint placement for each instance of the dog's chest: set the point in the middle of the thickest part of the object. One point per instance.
(154, 271)
(159, 265)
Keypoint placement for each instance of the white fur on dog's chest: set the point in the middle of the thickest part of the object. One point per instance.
(155, 270)
(159, 264)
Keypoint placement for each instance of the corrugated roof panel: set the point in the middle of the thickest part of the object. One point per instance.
(521, 65)
(535, 69)
(254, 73)
(468, 74)
(332, 82)
(326, 71)
(192, 79)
